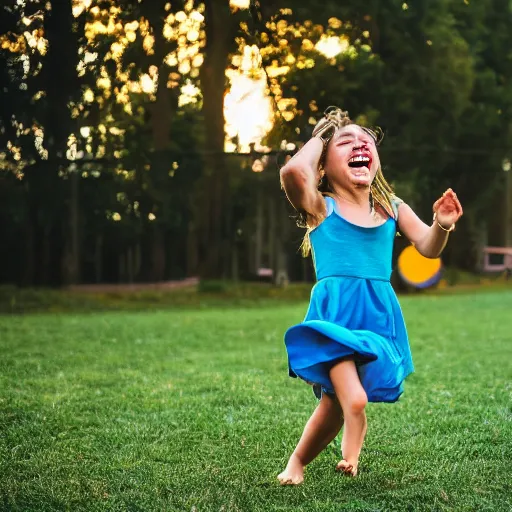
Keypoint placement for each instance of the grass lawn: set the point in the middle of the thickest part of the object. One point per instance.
(192, 410)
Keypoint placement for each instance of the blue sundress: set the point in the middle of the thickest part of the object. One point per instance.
(353, 311)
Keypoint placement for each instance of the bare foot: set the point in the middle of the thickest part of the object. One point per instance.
(293, 474)
(346, 468)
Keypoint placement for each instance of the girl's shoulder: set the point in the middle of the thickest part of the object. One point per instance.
(395, 204)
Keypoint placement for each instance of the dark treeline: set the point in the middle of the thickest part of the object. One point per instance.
(107, 174)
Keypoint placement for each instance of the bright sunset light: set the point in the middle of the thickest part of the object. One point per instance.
(240, 4)
(332, 46)
(248, 109)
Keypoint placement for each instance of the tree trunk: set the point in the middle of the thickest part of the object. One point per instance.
(129, 264)
(272, 234)
(281, 262)
(29, 264)
(157, 255)
(218, 21)
(98, 258)
(192, 256)
(61, 83)
(508, 209)
(46, 255)
(137, 263)
(258, 246)
(230, 237)
(166, 102)
(235, 271)
(74, 228)
(71, 267)
(162, 114)
(122, 267)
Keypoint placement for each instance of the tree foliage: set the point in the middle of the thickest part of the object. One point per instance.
(113, 128)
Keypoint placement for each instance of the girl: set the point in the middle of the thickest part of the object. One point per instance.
(352, 345)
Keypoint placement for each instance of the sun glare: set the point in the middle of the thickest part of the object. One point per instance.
(240, 4)
(330, 46)
(247, 108)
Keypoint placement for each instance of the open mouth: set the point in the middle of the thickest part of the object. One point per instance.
(359, 161)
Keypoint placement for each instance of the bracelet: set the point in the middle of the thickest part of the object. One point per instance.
(448, 230)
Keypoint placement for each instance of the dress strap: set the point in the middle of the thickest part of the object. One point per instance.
(395, 203)
(329, 203)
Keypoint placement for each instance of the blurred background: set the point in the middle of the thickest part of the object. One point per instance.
(140, 141)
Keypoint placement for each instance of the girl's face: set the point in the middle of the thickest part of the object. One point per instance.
(352, 158)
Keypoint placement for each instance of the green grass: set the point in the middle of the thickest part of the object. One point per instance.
(208, 294)
(219, 294)
(192, 410)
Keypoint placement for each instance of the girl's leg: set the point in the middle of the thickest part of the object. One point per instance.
(323, 426)
(353, 400)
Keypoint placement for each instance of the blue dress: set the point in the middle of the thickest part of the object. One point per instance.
(353, 311)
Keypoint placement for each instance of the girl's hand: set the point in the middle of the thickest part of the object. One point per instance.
(447, 209)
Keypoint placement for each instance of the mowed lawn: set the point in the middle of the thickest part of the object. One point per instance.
(193, 411)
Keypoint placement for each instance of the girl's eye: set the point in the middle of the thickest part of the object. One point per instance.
(343, 142)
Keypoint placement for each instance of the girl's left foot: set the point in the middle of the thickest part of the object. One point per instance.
(346, 468)
(293, 474)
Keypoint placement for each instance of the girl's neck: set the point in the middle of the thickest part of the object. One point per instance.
(357, 196)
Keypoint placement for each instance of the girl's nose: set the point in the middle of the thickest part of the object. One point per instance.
(360, 143)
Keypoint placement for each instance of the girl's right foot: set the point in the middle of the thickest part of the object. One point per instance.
(346, 468)
(293, 474)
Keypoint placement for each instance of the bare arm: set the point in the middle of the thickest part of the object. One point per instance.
(428, 240)
(431, 240)
(299, 177)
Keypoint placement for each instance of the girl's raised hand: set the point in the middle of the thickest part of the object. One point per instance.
(447, 209)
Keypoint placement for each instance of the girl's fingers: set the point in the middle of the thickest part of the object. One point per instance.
(444, 203)
(455, 203)
(451, 207)
(458, 206)
(448, 203)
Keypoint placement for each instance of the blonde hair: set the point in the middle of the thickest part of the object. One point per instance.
(381, 191)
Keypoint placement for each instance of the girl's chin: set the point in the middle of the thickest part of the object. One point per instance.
(361, 180)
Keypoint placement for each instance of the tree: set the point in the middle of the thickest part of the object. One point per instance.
(40, 48)
(435, 77)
